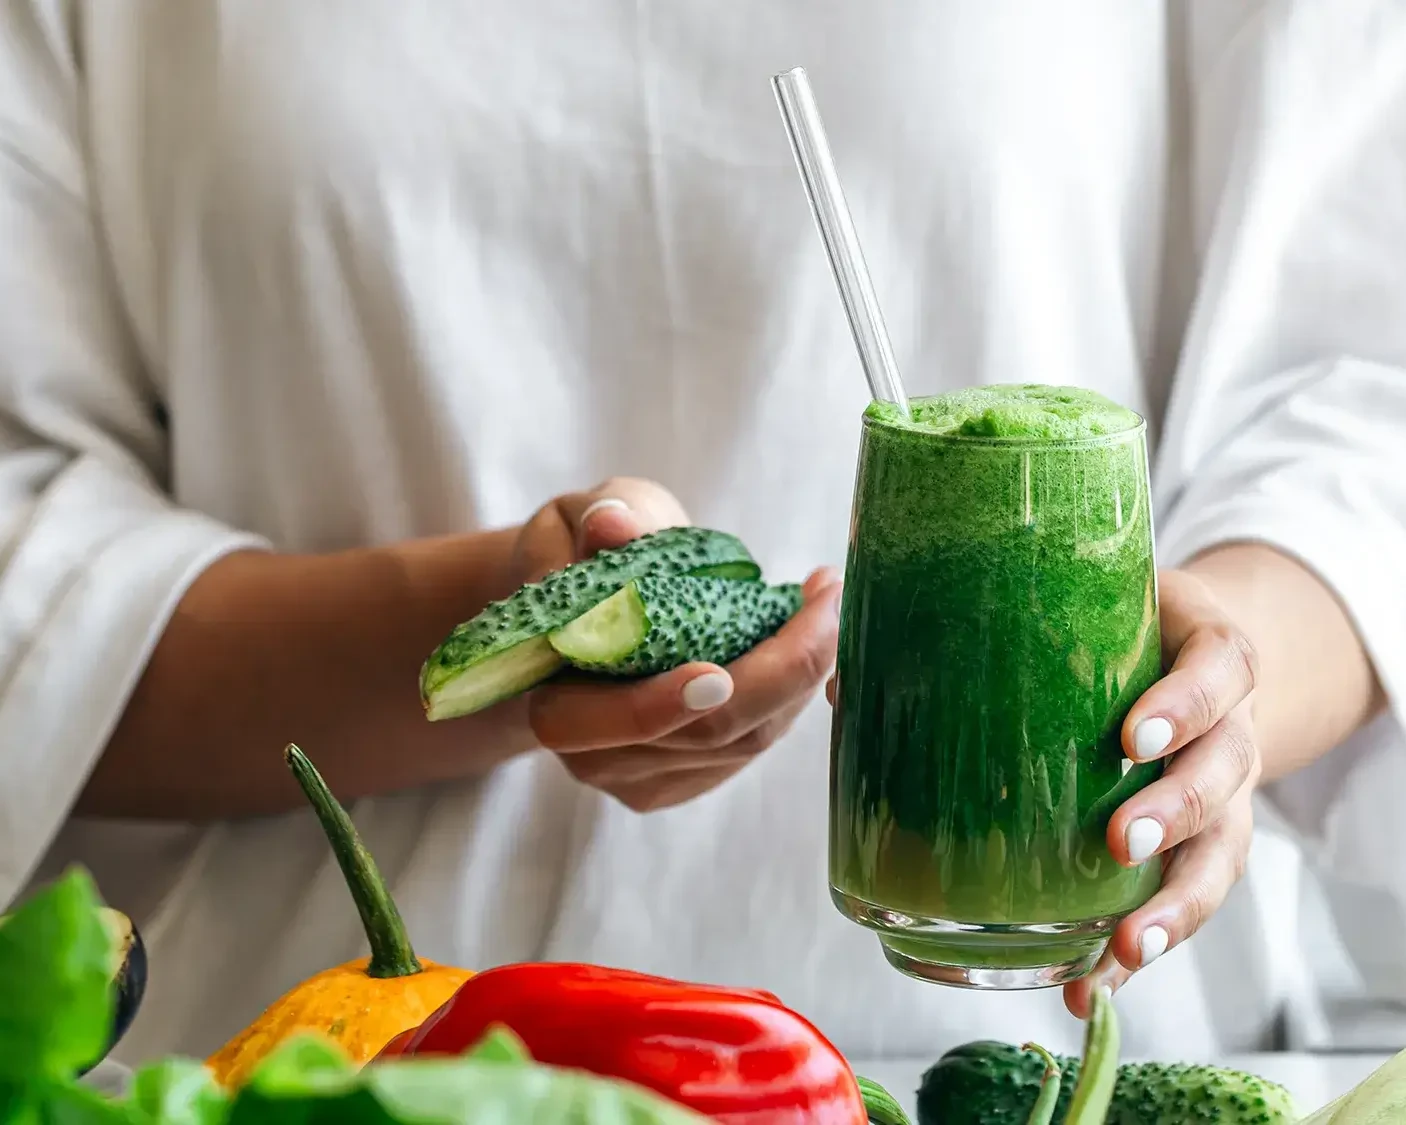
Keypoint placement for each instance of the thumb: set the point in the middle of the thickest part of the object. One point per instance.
(620, 509)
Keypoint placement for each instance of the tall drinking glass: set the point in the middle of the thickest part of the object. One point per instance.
(999, 620)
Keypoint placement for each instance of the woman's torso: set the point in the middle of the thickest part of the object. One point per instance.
(407, 269)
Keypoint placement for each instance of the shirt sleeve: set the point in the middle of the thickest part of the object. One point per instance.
(94, 556)
(1287, 419)
(1287, 425)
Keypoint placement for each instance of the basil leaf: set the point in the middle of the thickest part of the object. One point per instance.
(178, 1092)
(55, 977)
(62, 1103)
(499, 1045)
(308, 1082)
(305, 1065)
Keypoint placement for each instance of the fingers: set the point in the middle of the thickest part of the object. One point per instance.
(572, 717)
(658, 742)
(1190, 796)
(1198, 877)
(652, 777)
(1199, 811)
(625, 767)
(818, 582)
(672, 789)
(781, 671)
(1214, 671)
(616, 511)
(1078, 994)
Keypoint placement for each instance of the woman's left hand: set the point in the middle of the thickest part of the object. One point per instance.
(1198, 814)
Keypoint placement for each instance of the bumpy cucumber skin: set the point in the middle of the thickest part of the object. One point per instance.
(1165, 1092)
(564, 595)
(989, 1083)
(714, 620)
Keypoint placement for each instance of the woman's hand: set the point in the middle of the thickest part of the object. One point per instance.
(664, 740)
(1198, 815)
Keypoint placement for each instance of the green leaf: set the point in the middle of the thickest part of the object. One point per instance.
(304, 1065)
(499, 1045)
(1379, 1099)
(178, 1092)
(55, 977)
(62, 1103)
(881, 1106)
(307, 1081)
(481, 1092)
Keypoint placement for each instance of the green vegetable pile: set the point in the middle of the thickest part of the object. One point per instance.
(58, 998)
(56, 1009)
(680, 595)
(998, 1084)
(989, 1083)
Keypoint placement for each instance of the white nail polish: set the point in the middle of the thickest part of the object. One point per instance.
(1153, 943)
(1144, 837)
(601, 505)
(703, 693)
(1151, 737)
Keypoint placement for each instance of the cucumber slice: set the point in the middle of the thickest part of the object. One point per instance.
(654, 624)
(504, 650)
(497, 676)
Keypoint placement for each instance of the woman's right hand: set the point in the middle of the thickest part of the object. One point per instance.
(661, 741)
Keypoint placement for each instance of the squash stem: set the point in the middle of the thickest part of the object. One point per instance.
(391, 953)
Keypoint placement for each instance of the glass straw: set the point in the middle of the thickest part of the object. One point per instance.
(827, 204)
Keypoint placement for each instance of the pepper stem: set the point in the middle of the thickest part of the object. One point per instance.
(391, 953)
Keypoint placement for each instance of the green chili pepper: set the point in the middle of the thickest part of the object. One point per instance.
(1042, 1113)
(1099, 1072)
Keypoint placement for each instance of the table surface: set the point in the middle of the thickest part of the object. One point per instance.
(1315, 1080)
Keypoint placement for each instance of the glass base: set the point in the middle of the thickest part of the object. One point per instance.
(994, 956)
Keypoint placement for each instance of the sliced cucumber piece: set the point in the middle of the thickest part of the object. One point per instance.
(501, 675)
(654, 624)
(607, 634)
(503, 651)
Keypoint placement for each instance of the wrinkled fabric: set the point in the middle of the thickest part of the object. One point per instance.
(311, 276)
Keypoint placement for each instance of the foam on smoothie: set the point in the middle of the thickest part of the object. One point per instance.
(1015, 411)
(950, 471)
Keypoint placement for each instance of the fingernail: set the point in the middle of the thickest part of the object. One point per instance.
(703, 693)
(601, 505)
(1144, 837)
(1153, 944)
(1151, 737)
(837, 600)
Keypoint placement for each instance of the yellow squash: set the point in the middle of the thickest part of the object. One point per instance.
(363, 1004)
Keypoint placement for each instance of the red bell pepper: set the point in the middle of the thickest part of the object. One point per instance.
(396, 1047)
(737, 1055)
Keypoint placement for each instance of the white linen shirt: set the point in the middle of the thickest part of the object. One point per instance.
(317, 275)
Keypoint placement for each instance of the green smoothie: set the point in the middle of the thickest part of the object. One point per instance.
(999, 620)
